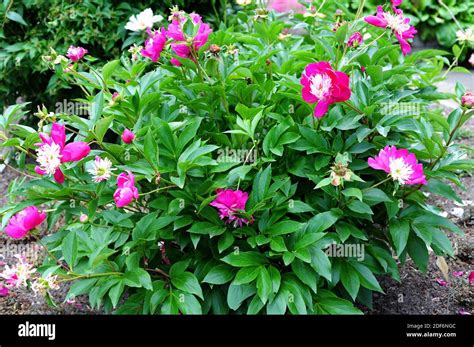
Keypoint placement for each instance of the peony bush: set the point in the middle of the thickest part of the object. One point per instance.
(235, 169)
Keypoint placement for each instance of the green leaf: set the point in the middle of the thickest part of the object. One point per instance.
(284, 227)
(102, 126)
(335, 305)
(323, 221)
(150, 150)
(350, 280)
(189, 304)
(69, 249)
(399, 230)
(244, 259)
(264, 284)
(355, 192)
(320, 262)
(219, 274)
(367, 278)
(246, 275)
(306, 274)
(418, 252)
(238, 293)
(360, 207)
(116, 292)
(225, 241)
(437, 187)
(206, 228)
(97, 106)
(14, 16)
(188, 283)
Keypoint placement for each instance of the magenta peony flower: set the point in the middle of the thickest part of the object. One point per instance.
(229, 203)
(399, 24)
(53, 151)
(76, 53)
(400, 164)
(126, 191)
(471, 277)
(467, 99)
(22, 222)
(396, 3)
(181, 44)
(154, 45)
(355, 39)
(458, 273)
(325, 86)
(128, 136)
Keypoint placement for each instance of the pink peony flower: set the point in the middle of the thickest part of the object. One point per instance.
(22, 222)
(76, 53)
(154, 45)
(399, 24)
(128, 136)
(4, 290)
(441, 282)
(467, 99)
(126, 191)
(400, 164)
(286, 6)
(471, 277)
(53, 151)
(182, 45)
(229, 203)
(323, 85)
(355, 39)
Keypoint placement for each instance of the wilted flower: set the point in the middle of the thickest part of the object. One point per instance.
(128, 136)
(399, 24)
(126, 191)
(41, 285)
(324, 86)
(260, 13)
(142, 21)
(135, 51)
(101, 169)
(59, 59)
(22, 222)
(285, 33)
(400, 164)
(18, 275)
(458, 273)
(463, 312)
(76, 53)
(355, 40)
(441, 282)
(53, 151)
(230, 203)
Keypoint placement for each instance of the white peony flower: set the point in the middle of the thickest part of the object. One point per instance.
(142, 21)
(465, 35)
